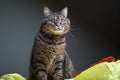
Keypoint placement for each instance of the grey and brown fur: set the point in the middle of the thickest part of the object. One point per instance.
(49, 59)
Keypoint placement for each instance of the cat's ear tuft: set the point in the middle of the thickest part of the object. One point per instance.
(47, 11)
(64, 11)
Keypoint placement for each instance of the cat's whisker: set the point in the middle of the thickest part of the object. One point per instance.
(71, 36)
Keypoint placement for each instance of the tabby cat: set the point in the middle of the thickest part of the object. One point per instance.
(49, 60)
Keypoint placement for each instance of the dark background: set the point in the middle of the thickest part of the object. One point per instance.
(94, 27)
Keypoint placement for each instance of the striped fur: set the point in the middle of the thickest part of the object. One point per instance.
(49, 60)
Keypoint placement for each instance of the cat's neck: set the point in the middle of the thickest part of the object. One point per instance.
(52, 39)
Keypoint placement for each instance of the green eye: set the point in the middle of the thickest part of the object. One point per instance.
(52, 21)
(62, 20)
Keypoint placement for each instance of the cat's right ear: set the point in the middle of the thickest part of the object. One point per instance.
(47, 11)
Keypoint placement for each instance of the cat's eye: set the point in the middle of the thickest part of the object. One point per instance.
(52, 21)
(62, 20)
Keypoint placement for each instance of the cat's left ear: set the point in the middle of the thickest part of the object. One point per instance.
(64, 11)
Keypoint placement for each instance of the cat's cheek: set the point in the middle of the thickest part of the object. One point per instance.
(67, 29)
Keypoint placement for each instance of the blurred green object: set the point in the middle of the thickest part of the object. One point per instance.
(13, 76)
(102, 71)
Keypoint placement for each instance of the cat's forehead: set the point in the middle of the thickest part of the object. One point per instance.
(56, 15)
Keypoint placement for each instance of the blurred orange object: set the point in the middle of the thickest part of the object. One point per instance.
(106, 59)
(76, 73)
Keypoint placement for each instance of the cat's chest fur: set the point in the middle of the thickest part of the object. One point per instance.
(52, 53)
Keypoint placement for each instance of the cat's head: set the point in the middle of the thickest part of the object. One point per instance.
(55, 23)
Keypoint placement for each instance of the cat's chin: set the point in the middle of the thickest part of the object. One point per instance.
(57, 32)
(53, 31)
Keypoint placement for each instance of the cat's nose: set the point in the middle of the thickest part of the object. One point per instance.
(58, 24)
(59, 27)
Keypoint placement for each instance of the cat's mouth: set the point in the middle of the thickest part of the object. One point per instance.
(54, 31)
